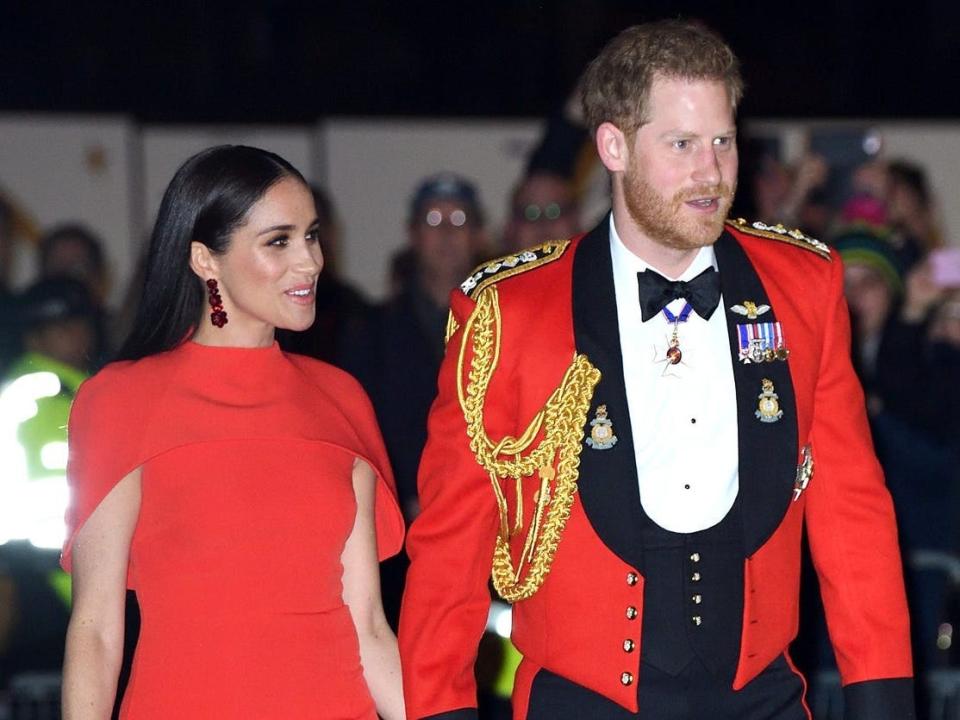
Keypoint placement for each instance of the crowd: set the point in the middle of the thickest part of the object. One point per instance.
(902, 285)
(903, 291)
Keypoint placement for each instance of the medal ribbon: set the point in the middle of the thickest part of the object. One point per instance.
(682, 317)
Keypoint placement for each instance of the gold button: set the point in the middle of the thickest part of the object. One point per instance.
(632, 578)
(697, 620)
(631, 612)
(697, 599)
(695, 557)
(628, 645)
(695, 577)
(626, 678)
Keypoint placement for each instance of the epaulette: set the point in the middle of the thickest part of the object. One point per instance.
(510, 265)
(781, 233)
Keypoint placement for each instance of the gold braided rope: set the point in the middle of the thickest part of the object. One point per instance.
(557, 455)
(452, 328)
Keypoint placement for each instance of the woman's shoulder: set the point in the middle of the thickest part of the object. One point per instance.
(328, 377)
(123, 382)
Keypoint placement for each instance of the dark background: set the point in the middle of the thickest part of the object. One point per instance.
(295, 61)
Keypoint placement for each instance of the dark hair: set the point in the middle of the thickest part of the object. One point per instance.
(76, 232)
(616, 85)
(913, 177)
(206, 201)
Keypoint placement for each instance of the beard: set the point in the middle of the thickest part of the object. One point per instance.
(662, 219)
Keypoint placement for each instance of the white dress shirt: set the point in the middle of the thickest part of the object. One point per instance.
(684, 416)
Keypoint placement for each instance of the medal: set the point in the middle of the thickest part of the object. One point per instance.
(674, 355)
(761, 342)
(601, 431)
(768, 405)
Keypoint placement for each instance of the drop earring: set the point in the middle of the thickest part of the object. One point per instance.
(218, 316)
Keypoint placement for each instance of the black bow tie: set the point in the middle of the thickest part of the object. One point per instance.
(656, 292)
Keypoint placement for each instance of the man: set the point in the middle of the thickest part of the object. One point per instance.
(396, 353)
(73, 251)
(637, 474)
(58, 330)
(57, 323)
(543, 206)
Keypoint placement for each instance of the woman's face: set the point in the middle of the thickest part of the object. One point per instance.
(268, 275)
(868, 296)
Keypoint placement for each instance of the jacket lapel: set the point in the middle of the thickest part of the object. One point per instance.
(767, 450)
(608, 485)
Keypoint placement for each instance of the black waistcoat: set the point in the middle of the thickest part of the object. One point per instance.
(693, 595)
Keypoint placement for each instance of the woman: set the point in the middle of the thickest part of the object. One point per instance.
(242, 492)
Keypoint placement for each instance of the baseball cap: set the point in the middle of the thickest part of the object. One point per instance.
(446, 186)
(54, 300)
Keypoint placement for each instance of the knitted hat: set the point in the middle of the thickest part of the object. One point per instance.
(863, 245)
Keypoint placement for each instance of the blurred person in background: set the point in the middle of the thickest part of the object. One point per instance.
(57, 321)
(896, 195)
(243, 492)
(72, 250)
(8, 331)
(543, 207)
(917, 433)
(906, 352)
(873, 286)
(397, 353)
(340, 307)
(911, 210)
(790, 194)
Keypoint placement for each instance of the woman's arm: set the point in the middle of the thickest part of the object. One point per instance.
(95, 634)
(361, 593)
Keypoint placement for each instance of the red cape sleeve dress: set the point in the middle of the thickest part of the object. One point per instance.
(247, 501)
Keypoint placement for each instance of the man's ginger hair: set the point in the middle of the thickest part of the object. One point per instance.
(616, 85)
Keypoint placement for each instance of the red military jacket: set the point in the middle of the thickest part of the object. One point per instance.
(557, 301)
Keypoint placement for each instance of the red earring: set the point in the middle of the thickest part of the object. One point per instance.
(218, 316)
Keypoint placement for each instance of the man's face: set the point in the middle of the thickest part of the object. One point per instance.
(543, 208)
(682, 171)
(72, 257)
(443, 238)
(69, 341)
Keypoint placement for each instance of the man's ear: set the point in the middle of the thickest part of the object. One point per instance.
(202, 261)
(612, 147)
